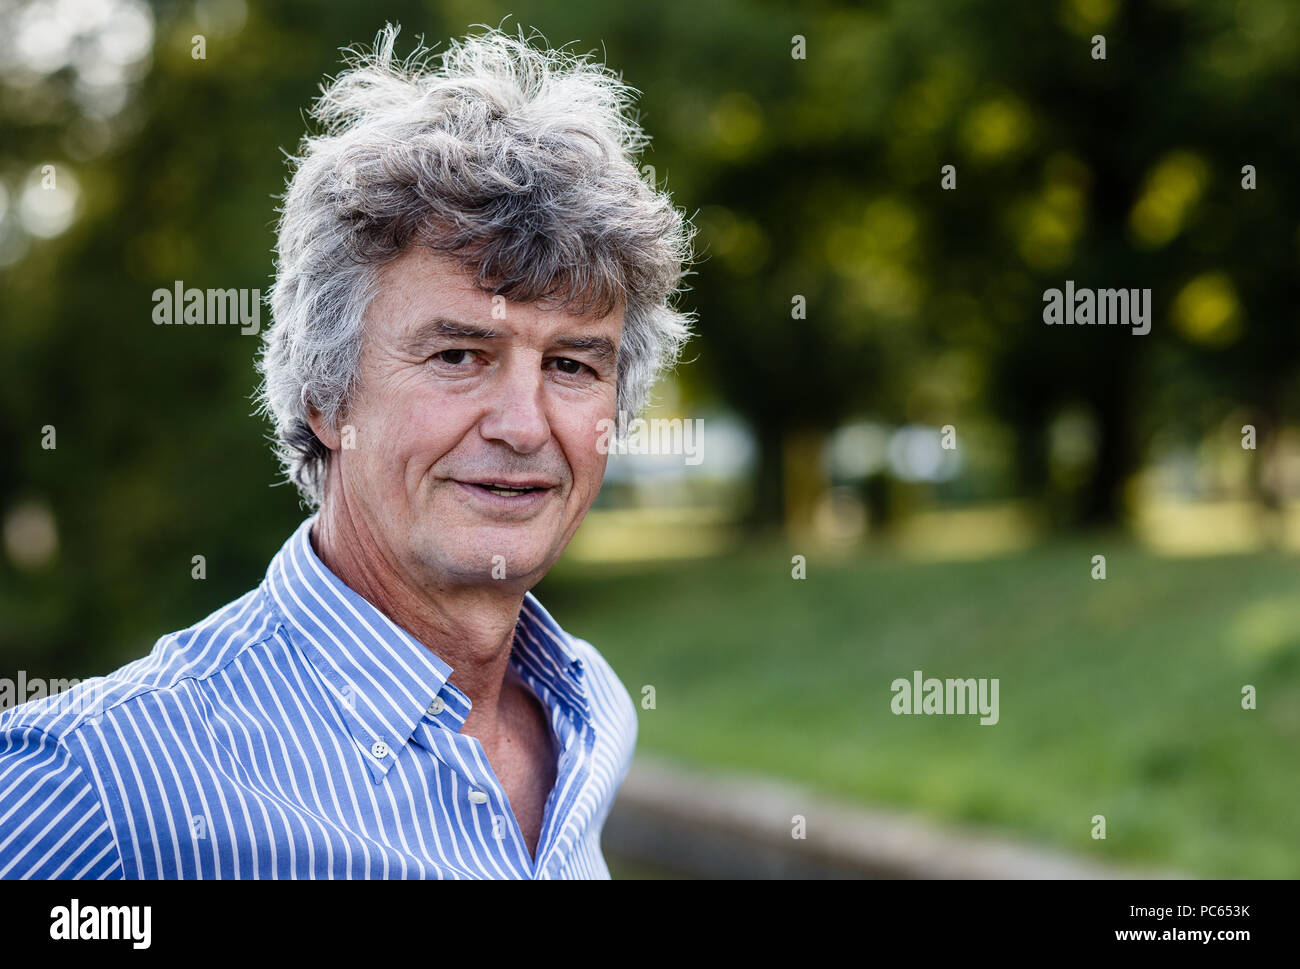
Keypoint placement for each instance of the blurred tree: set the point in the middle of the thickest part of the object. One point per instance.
(158, 458)
(816, 182)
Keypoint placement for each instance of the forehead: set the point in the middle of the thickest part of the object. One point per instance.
(421, 285)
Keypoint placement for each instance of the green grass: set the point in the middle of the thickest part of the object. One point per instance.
(1119, 697)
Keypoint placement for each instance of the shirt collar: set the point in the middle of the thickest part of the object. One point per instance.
(384, 679)
(546, 651)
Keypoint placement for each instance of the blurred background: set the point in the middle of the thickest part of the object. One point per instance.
(850, 309)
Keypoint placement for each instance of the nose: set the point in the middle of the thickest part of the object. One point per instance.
(516, 415)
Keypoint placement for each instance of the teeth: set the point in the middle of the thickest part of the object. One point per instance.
(507, 492)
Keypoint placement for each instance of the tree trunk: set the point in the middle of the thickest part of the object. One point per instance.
(1103, 502)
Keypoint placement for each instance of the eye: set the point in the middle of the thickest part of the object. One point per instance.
(454, 357)
(571, 367)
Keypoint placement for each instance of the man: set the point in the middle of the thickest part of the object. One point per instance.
(472, 281)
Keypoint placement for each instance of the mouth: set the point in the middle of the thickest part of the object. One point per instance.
(508, 493)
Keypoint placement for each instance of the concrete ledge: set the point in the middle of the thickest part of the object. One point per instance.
(710, 824)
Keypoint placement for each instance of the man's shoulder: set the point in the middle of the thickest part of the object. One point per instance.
(186, 656)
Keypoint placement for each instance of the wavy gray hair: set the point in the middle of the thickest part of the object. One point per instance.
(520, 161)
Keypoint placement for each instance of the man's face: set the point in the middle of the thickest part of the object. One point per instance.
(454, 401)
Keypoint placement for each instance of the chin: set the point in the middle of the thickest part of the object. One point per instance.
(486, 561)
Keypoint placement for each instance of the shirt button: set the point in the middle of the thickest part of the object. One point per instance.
(436, 707)
(477, 797)
(379, 750)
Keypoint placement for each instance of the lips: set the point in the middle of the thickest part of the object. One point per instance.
(509, 491)
(506, 490)
(511, 484)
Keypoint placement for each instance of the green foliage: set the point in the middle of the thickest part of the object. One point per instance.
(817, 177)
(1119, 697)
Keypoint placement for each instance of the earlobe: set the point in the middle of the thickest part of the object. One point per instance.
(325, 433)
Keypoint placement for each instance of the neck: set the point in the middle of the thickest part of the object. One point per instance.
(471, 628)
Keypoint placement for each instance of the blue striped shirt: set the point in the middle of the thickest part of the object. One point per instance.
(299, 733)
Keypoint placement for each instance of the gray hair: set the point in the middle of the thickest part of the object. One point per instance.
(520, 161)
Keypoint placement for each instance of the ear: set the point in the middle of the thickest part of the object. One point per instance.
(324, 432)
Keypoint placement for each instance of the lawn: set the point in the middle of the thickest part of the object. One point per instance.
(1120, 697)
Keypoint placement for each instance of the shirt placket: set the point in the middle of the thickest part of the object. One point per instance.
(480, 804)
(572, 774)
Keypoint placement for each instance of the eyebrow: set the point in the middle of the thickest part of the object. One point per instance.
(597, 346)
(442, 328)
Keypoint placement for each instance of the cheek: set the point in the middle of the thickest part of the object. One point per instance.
(582, 437)
(398, 436)
(424, 427)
